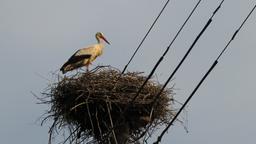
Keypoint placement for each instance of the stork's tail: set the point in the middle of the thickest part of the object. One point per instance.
(65, 68)
(62, 69)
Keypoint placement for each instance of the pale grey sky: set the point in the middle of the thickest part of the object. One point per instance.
(36, 37)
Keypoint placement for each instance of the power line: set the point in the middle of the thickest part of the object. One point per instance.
(234, 35)
(182, 107)
(161, 58)
(152, 25)
(189, 50)
(165, 52)
(145, 36)
(204, 77)
(160, 13)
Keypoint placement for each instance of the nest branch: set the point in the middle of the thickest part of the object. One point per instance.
(90, 106)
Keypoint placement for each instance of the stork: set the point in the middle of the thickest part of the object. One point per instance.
(85, 56)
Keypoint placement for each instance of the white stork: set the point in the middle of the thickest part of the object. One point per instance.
(85, 56)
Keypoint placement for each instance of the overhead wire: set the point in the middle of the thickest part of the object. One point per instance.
(140, 44)
(177, 67)
(188, 51)
(163, 55)
(234, 35)
(142, 41)
(202, 80)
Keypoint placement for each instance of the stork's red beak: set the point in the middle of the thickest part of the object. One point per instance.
(105, 39)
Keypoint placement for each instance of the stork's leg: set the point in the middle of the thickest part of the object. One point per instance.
(87, 68)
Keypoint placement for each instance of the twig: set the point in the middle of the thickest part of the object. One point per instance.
(90, 117)
(96, 115)
(111, 122)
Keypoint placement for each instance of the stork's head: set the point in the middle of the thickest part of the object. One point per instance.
(100, 36)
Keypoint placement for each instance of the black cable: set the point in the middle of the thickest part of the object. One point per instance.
(162, 57)
(145, 36)
(189, 50)
(236, 32)
(201, 81)
(167, 2)
(191, 95)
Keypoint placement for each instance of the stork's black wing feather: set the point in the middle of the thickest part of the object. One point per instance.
(74, 59)
(77, 58)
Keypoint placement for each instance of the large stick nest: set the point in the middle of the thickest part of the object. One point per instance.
(97, 104)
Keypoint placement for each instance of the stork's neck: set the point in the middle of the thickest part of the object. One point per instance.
(100, 41)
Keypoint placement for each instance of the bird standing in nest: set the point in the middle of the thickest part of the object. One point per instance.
(85, 56)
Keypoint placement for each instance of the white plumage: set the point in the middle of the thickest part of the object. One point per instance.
(85, 56)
